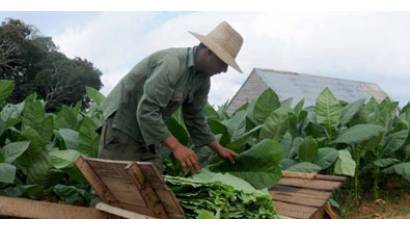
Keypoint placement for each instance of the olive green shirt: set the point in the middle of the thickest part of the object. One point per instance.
(153, 90)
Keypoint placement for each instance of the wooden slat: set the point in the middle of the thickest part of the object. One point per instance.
(113, 169)
(128, 197)
(136, 174)
(26, 208)
(330, 178)
(124, 192)
(171, 204)
(120, 212)
(319, 214)
(167, 197)
(295, 198)
(312, 184)
(301, 175)
(297, 194)
(309, 192)
(118, 188)
(99, 187)
(330, 212)
(137, 208)
(152, 175)
(146, 191)
(285, 217)
(293, 210)
(108, 161)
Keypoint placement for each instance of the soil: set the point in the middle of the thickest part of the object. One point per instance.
(396, 207)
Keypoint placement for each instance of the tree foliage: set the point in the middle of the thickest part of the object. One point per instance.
(35, 64)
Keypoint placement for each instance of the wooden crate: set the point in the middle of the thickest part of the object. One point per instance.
(305, 195)
(130, 187)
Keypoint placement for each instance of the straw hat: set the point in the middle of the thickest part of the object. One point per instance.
(224, 41)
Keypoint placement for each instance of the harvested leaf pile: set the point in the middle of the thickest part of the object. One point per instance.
(217, 195)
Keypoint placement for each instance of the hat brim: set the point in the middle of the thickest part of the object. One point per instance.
(217, 50)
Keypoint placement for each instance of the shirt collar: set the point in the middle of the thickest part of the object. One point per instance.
(191, 56)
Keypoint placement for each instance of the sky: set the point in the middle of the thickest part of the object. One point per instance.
(364, 46)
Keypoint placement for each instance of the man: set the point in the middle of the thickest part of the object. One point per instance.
(135, 110)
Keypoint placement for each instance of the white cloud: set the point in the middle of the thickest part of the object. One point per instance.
(112, 41)
(370, 47)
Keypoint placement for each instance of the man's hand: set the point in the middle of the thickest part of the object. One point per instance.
(185, 156)
(227, 154)
(224, 152)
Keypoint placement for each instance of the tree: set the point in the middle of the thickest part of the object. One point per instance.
(35, 64)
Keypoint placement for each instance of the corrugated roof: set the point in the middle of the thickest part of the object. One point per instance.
(298, 86)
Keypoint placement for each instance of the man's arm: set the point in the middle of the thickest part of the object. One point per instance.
(158, 91)
(197, 124)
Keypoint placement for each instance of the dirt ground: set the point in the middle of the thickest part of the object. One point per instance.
(396, 207)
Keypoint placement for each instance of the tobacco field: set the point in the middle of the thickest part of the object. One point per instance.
(365, 140)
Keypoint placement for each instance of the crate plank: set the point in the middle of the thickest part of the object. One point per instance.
(99, 187)
(312, 184)
(136, 208)
(303, 191)
(152, 175)
(27, 208)
(108, 168)
(296, 198)
(319, 214)
(328, 210)
(293, 210)
(171, 204)
(120, 212)
(146, 191)
(330, 178)
(301, 175)
(166, 196)
(130, 197)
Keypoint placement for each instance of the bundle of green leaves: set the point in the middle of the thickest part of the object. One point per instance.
(225, 190)
(218, 195)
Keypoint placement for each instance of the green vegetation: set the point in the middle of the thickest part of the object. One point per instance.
(37, 149)
(358, 139)
(367, 141)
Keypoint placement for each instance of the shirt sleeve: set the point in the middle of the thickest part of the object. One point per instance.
(158, 90)
(195, 119)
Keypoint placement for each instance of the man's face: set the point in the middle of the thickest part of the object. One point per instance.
(214, 65)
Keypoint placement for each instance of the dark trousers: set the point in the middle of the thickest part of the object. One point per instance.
(116, 145)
